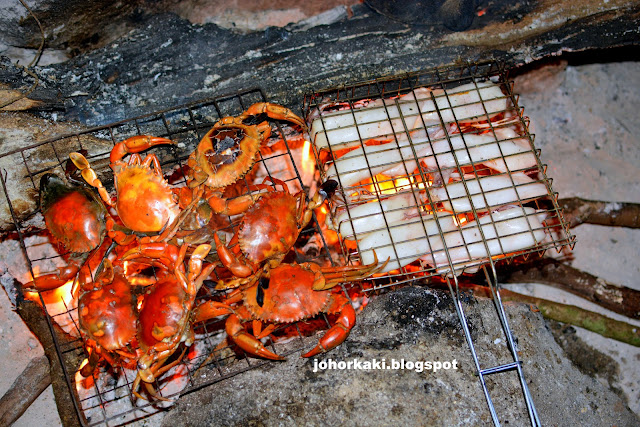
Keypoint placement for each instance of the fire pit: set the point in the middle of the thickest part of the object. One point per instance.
(171, 159)
(108, 395)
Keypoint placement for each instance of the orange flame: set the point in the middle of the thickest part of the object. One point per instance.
(383, 184)
(308, 164)
(83, 364)
(307, 161)
(64, 293)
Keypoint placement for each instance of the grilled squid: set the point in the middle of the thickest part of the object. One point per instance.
(504, 231)
(381, 119)
(501, 149)
(485, 192)
(366, 217)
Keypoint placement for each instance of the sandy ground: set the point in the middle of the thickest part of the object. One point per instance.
(586, 123)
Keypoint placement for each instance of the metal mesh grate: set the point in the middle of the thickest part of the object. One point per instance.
(437, 172)
(107, 398)
(440, 191)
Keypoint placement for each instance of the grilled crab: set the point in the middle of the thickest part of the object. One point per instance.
(230, 149)
(145, 203)
(108, 318)
(268, 230)
(74, 215)
(76, 219)
(165, 313)
(285, 294)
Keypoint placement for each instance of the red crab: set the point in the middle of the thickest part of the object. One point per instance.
(76, 219)
(230, 149)
(285, 294)
(74, 216)
(144, 203)
(164, 317)
(108, 318)
(267, 231)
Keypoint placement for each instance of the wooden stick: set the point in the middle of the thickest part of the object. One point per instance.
(25, 390)
(34, 317)
(619, 299)
(616, 214)
(595, 322)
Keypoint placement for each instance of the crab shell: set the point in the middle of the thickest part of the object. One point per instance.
(74, 216)
(289, 295)
(107, 313)
(270, 227)
(226, 153)
(145, 201)
(164, 313)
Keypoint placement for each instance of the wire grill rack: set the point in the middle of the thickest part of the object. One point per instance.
(437, 172)
(107, 399)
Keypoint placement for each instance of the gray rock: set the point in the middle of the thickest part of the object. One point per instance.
(414, 324)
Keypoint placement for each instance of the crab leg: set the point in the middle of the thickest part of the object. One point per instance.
(340, 330)
(156, 371)
(136, 144)
(246, 341)
(90, 176)
(260, 333)
(333, 276)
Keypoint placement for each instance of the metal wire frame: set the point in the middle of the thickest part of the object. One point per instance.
(428, 242)
(110, 400)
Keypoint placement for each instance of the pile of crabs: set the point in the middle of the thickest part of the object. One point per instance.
(140, 255)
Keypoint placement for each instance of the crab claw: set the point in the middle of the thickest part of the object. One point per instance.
(230, 261)
(136, 144)
(246, 341)
(338, 332)
(275, 111)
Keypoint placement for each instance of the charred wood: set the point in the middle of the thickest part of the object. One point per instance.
(148, 69)
(619, 299)
(615, 214)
